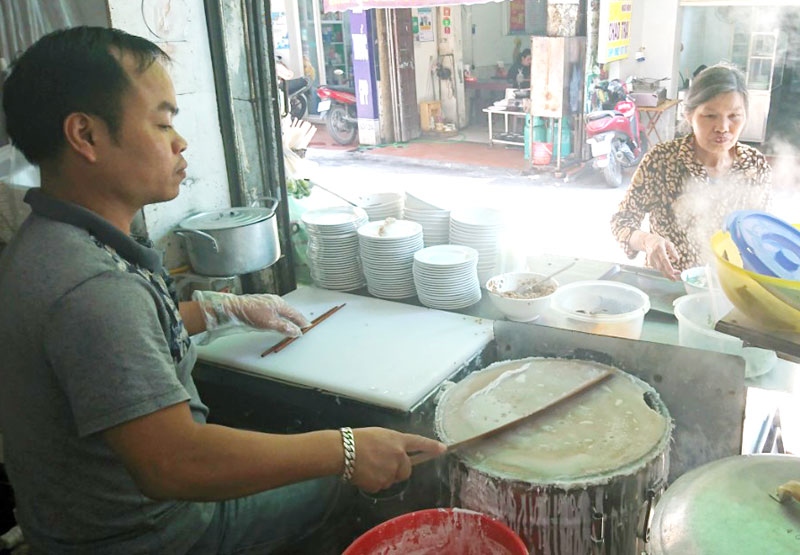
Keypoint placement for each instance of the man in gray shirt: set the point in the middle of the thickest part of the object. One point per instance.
(106, 441)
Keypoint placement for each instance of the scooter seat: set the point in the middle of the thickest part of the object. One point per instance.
(340, 88)
(593, 116)
(296, 85)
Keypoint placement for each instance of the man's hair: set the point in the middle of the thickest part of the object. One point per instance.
(67, 71)
(524, 53)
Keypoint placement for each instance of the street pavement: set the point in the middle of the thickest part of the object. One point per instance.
(543, 214)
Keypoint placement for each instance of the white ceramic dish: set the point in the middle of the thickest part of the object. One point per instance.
(510, 294)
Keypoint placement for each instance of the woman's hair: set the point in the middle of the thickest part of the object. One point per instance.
(713, 81)
(70, 70)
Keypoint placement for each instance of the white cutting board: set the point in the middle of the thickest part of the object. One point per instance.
(375, 351)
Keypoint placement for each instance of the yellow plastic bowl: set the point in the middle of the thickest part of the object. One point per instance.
(770, 301)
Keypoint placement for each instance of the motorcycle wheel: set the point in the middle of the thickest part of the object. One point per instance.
(341, 130)
(298, 106)
(613, 170)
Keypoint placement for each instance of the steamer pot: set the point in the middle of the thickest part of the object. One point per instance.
(579, 479)
(725, 507)
(232, 241)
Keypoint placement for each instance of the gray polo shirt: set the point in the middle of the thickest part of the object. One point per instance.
(91, 338)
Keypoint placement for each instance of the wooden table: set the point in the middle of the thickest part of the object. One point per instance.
(483, 92)
(651, 115)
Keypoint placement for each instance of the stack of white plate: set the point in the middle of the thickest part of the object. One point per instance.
(333, 246)
(480, 229)
(446, 276)
(380, 206)
(387, 256)
(435, 224)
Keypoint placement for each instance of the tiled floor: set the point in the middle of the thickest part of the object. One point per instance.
(469, 146)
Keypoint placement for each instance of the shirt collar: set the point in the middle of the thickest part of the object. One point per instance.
(136, 250)
(686, 154)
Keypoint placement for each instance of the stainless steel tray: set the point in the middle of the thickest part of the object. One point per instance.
(662, 292)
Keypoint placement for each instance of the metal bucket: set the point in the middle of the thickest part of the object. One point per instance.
(232, 241)
(581, 478)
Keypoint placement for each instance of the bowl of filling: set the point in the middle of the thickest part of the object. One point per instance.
(521, 296)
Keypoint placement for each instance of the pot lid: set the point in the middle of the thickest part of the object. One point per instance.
(768, 245)
(725, 507)
(227, 218)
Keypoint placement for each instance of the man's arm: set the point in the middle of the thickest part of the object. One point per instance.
(192, 317)
(170, 456)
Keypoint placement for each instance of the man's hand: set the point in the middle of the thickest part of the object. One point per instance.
(225, 313)
(382, 456)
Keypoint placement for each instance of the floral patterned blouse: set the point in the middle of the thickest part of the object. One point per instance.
(684, 204)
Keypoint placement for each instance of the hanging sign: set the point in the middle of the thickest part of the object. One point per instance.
(614, 37)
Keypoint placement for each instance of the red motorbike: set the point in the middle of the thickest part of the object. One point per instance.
(615, 134)
(338, 106)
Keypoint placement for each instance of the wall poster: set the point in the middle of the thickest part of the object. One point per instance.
(425, 24)
(613, 42)
(516, 16)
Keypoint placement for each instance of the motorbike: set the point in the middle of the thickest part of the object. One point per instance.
(293, 89)
(615, 133)
(338, 106)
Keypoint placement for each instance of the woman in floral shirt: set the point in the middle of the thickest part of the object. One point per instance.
(687, 186)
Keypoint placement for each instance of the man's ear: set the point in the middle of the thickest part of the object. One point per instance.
(81, 133)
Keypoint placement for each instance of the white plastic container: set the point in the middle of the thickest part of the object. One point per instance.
(697, 315)
(601, 307)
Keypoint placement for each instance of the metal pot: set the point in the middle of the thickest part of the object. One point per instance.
(232, 241)
(725, 507)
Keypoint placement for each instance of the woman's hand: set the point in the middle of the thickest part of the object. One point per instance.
(660, 254)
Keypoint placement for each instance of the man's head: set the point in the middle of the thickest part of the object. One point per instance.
(71, 70)
(525, 57)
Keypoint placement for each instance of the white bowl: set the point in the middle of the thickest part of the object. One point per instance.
(697, 315)
(699, 279)
(510, 294)
(601, 307)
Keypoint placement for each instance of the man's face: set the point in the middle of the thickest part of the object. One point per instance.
(145, 164)
(526, 60)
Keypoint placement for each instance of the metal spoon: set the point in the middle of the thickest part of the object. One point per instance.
(530, 287)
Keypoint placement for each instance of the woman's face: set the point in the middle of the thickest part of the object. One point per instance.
(718, 123)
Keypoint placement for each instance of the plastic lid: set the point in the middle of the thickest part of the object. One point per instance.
(767, 244)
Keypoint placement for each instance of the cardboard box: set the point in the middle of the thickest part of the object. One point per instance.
(429, 113)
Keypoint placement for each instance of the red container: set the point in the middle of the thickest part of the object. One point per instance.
(541, 153)
(439, 532)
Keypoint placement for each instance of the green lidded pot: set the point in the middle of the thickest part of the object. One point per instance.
(725, 507)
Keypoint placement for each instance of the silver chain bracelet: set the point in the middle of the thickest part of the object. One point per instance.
(349, 443)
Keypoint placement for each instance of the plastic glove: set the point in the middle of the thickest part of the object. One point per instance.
(660, 254)
(226, 313)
